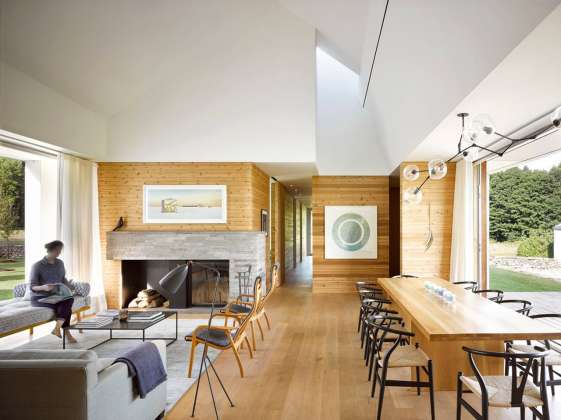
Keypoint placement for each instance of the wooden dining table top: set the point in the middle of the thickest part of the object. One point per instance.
(470, 317)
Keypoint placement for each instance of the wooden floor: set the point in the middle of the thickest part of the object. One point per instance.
(310, 367)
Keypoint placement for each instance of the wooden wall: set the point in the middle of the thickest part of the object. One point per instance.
(121, 191)
(339, 276)
(289, 233)
(414, 225)
(277, 226)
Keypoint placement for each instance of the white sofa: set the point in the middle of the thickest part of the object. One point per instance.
(73, 384)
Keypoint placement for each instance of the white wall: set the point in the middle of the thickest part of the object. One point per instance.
(34, 110)
(250, 96)
(346, 141)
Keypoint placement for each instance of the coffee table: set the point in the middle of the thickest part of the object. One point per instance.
(118, 325)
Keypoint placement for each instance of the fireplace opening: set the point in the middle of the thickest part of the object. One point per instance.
(142, 285)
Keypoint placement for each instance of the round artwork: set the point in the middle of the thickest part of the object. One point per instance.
(351, 232)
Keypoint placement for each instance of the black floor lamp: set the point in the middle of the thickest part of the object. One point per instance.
(205, 357)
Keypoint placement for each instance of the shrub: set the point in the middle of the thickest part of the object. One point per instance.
(538, 244)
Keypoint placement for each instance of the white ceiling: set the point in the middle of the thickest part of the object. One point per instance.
(432, 54)
(341, 25)
(109, 56)
(523, 87)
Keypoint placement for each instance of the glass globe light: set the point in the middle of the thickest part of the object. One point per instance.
(412, 195)
(471, 154)
(482, 127)
(411, 172)
(556, 117)
(437, 169)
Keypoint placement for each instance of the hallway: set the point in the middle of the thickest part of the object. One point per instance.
(302, 275)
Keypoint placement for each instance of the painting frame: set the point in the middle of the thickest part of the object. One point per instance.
(149, 191)
(351, 232)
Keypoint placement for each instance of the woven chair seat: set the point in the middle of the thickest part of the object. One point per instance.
(552, 359)
(405, 356)
(239, 309)
(499, 389)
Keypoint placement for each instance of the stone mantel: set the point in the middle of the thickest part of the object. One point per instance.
(239, 248)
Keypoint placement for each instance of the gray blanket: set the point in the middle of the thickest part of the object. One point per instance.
(145, 366)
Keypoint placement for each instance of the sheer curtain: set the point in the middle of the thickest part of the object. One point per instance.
(78, 225)
(462, 255)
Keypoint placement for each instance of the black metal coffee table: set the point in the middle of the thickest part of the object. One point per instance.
(117, 325)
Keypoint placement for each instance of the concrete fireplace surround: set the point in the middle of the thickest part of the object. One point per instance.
(240, 248)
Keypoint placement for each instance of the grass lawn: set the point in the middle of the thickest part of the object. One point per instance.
(511, 281)
(8, 279)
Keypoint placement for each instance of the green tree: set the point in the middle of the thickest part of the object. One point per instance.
(523, 201)
(11, 197)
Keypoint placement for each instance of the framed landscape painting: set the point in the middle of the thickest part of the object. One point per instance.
(185, 204)
(351, 232)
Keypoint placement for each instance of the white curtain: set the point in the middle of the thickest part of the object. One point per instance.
(78, 225)
(462, 255)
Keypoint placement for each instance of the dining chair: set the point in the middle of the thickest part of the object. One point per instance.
(551, 360)
(366, 295)
(467, 285)
(514, 391)
(369, 307)
(243, 305)
(397, 355)
(224, 337)
(519, 305)
(496, 294)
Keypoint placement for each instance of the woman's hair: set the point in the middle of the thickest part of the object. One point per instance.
(51, 246)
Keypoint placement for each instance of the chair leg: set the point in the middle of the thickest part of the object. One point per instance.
(382, 389)
(375, 378)
(260, 329)
(267, 320)
(522, 413)
(371, 362)
(551, 378)
(249, 347)
(31, 331)
(194, 344)
(458, 398)
(79, 319)
(417, 374)
(238, 359)
(359, 319)
(431, 391)
(253, 334)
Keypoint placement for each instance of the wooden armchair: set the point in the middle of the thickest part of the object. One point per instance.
(245, 302)
(224, 337)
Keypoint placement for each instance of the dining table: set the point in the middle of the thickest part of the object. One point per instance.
(443, 328)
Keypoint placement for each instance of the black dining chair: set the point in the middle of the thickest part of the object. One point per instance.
(467, 285)
(519, 305)
(514, 391)
(399, 356)
(551, 360)
(494, 295)
(370, 307)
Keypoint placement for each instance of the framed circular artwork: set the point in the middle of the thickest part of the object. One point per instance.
(351, 232)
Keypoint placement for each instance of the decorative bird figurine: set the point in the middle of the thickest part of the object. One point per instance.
(120, 224)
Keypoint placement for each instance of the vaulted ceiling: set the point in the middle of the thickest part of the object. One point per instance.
(116, 58)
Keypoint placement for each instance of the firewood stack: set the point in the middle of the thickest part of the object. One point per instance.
(148, 298)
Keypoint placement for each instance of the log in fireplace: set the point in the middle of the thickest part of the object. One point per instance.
(196, 290)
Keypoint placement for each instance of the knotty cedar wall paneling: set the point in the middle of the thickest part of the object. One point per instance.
(277, 226)
(121, 194)
(289, 232)
(414, 225)
(339, 276)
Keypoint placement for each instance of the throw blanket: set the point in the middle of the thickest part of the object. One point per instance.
(145, 366)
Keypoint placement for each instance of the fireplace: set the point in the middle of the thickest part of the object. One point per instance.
(141, 279)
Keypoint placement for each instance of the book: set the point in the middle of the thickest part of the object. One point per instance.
(93, 322)
(58, 294)
(110, 313)
(145, 315)
(158, 318)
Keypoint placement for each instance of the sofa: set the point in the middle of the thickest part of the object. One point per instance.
(73, 384)
(17, 314)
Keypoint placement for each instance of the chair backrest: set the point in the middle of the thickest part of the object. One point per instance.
(519, 374)
(244, 279)
(556, 319)
(467, 285)
(496, 294)
(257, 293)
(520, 305)
(382, 325)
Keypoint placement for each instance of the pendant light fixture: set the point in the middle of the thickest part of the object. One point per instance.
(480, 131)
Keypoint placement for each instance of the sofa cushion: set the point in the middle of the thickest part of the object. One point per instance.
(18, 313)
